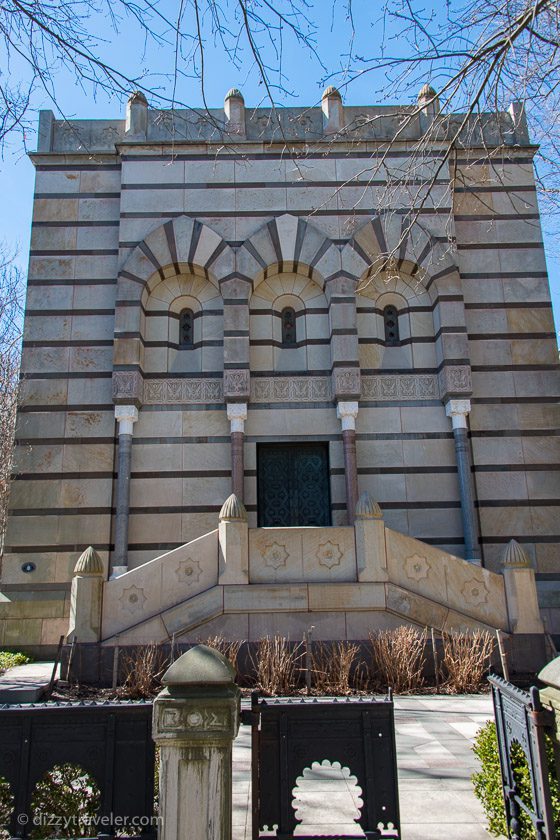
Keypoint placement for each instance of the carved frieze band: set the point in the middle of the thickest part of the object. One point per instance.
(291, 389)
(127, 386)
(281, 389)
(167, 391)
(400, 387)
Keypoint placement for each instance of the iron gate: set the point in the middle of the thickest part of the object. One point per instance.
(521, 719)
(288, 735)
(112, 741)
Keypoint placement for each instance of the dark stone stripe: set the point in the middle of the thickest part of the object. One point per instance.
(48, 549)
(174, 345)
(77, 195)
(65, 407)
(133, 277)
(77, 224)
(511, 336)
(101, 252)
(62, 375)
(254, 253)
(275, 239)
(320, 253)
(498, 246)
(215, 253)
(300, 236)
(282, 156)
(146, 250)
(197, 230)
(513, 368)
(499, 433)
(379, 234)
(498, 189)
(280, 185)
(543, 304)
(497, 217)
(269, 342)
(172, 245)
(78, 167)
(360, 252)
(513, 400)
(108, 281)
(71, 343)
(536, 539)
(503, 275)
(78, 312)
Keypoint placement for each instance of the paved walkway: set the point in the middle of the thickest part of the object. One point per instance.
(435, 762)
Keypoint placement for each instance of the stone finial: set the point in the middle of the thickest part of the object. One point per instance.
(136, 116)
(514, 556)
(428, 101)
(367, 508)
(233, 510)
(89, 563)
(331, 91)
(333, 113)
(234, 93)
(234, 109)
(202, 666)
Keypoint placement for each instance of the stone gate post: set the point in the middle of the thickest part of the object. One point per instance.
(196, 718)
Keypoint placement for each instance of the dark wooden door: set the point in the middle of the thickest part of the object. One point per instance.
(293, 485)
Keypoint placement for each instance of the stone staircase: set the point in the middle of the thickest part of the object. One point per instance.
(345, 581)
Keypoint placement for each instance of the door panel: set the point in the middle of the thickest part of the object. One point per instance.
(293, 485)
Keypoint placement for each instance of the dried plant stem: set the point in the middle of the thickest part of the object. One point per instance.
(399, 657)
(276, 665)
(465, 659)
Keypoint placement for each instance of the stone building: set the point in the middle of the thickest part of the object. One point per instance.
(241, 301)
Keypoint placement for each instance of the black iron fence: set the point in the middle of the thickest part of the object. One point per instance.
(111, 741)
(521, 720)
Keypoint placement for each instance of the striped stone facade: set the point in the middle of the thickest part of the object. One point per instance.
(135, 221)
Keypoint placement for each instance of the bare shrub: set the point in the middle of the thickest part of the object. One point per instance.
(399, 656)
(466, 657)
(276, 665)
(228, 648)
(331, 666)
(143, 669)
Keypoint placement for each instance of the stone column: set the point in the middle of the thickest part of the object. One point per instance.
(237, 414)
(86, 598)
(458, 410)
(126, 416)
(196, 718)
(347, 413)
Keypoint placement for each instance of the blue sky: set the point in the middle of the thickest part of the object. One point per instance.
(304, 79)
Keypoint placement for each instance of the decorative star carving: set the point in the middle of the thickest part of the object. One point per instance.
(188, 571)
(475, 592)
(416, 567)
(329, 554)
(275, 555)
(133, 599)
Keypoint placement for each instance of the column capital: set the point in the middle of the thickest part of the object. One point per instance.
(237, 414)
(126, 416)
(458, 410)
(347, 411)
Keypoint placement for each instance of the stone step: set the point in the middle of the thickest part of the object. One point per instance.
(26, 683)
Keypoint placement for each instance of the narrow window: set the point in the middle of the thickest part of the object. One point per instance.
(391, 320)
(186, 328)
(288, 327)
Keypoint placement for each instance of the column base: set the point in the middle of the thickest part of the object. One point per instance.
(117, 571)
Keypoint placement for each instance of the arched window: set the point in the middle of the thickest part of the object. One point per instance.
(391, 321)
(288, 327)
(186, 328)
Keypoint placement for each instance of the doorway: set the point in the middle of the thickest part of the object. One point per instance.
(293, 485)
